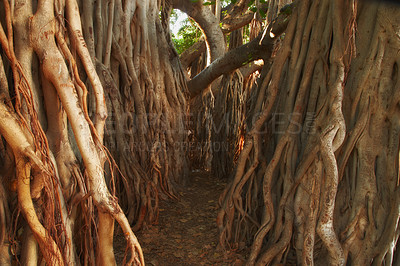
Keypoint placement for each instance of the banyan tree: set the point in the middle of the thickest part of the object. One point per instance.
(295, 104)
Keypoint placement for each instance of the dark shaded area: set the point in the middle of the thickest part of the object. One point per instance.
(396, 2)
(186, 233)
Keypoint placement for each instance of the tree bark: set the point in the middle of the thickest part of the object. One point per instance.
(314, 155)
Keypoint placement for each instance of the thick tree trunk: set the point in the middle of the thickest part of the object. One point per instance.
(146, 95)
(65, 76)
(321, 158)
(314, 140)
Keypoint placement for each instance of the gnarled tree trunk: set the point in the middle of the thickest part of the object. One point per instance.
(69, 65)
(318, 174)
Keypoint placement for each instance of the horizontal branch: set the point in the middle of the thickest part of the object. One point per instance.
(249, 69)
(227, 26)
(232, 23)
(193, 52)
(207, 22)
(232, 60)
(259, 48)
(236, 17)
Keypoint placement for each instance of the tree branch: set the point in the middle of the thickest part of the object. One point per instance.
(236, 18)
(233, 23)
(259, 48)
(208, 23)
(25, 158)
(194, 51)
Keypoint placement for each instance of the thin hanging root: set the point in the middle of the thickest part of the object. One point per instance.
(331, 140)
(51, 252)
(67, 54)
(55, 71)
(309, 232)
(74, 23)
(325, 226)
(132, 242)
(312, 80)
(249, 141)
(11, 130)
(99, 137)
(32, 136)
(163, 183)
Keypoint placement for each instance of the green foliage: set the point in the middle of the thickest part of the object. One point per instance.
(251, 3)
(209, 3)
(253, 8)
(187, 35)
(262, 11)
(173, 17)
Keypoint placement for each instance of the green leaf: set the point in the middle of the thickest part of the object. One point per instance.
(209, 3)
(187, 35)
(263, 14)
(253, 9)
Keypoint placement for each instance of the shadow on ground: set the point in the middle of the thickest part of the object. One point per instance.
(187, 233)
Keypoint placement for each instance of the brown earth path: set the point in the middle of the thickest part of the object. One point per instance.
(187, 233)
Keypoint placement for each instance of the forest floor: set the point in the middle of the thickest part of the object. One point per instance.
(187, 233)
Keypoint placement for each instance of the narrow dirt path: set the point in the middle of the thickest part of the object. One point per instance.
(187, 233)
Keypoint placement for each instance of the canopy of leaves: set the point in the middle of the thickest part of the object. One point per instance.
(187, 35)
